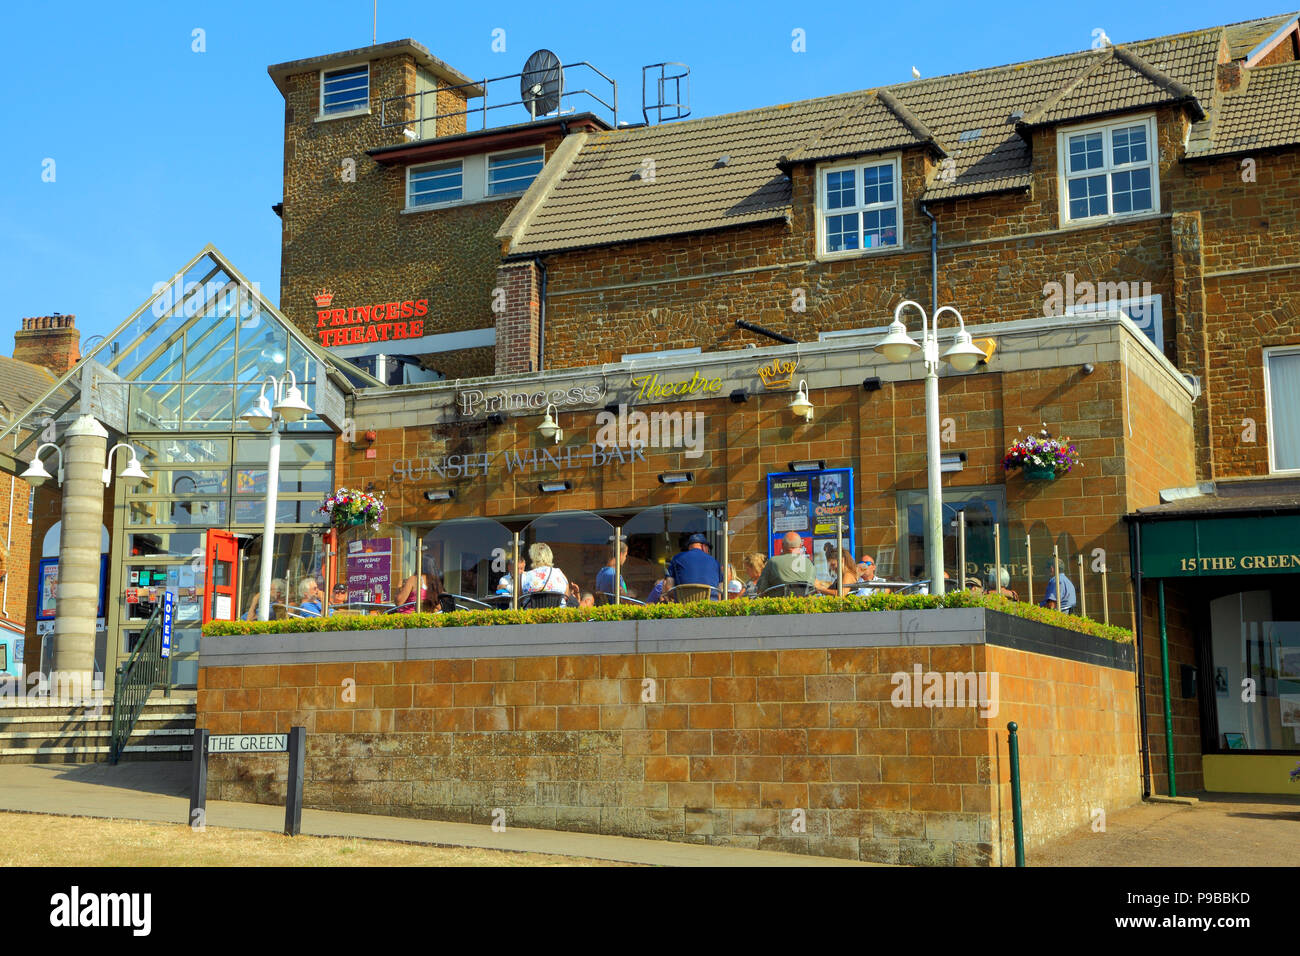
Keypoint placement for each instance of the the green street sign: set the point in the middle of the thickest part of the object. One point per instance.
(1267, 544)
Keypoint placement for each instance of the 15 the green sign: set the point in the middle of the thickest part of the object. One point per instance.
(1268, 544)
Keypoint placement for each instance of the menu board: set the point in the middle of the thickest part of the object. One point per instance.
(809, 502)
(370, 570)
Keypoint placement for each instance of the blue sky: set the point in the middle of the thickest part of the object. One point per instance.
(158, 149)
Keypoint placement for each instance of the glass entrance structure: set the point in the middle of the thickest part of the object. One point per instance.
(172, 381)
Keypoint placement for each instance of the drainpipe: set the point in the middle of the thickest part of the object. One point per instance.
(1135, 549)
(934, 260)
(541, 315)
(759, 330)
(1164, 668)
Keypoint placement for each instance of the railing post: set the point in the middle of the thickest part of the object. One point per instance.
(1083, 591)
(1029, 570)
(1017, 811)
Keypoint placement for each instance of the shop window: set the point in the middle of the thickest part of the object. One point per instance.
(859, 208)
(513, 172)
(434, 184)
(1282, 393)
(1108, 170)
(1256, 657)
(345, 91)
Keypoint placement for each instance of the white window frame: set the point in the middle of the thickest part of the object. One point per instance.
(631, 358)
(822, 211)
(1269, 352)
(31, 504)
(539, 151)
(1124, 305)
(1108, 168)
(436, 205)
(354, 111)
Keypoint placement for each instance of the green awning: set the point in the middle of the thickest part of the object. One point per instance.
(1229, 545)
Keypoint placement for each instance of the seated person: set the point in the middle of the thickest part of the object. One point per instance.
(1003, 586)
(790, 567)
(845, 567)
(278, 612)
(605, 576)
(506, 584)
(309, 598)
(694, 565)
(1067, 599)
(754, 563)
(735, 587)
(543, 576)
(657, 592)
(339, 596)
(430, 589)
(587, 599)
(866, 575)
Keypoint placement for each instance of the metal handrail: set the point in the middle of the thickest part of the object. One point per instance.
(135, 681)
(418, 97)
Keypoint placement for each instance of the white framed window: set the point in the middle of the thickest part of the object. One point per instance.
(1108, 170)
(513, 172)
(31, 504)
(345, 90)
(661, 354)
(1282, 407)
(1147, 313)
(435, 184)
(859, 208)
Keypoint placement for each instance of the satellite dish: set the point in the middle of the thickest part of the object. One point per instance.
(541, 84)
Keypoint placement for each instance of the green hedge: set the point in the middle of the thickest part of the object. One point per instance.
(658, 612)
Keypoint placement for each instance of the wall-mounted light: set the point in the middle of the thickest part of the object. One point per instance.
(496, 418)
(739, 396)
(800, 404)
(952, 461)
(133, 474)
(440, 494)
(36, 474)
(548, 428)
(871, 384)
(818, 465)
(676, 477)
(1088, 368)
(548, 487)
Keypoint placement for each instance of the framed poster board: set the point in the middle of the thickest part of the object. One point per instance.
(809, 502)
(370, 570)
(47, 587)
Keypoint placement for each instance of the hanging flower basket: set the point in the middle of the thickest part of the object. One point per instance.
(347, 508)
(1041, 457)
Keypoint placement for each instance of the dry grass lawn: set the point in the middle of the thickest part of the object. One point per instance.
(31, 839)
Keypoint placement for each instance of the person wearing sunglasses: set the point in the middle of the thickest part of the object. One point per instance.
(866, 574)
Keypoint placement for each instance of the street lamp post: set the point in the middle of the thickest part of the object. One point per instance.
(898, 346)
(289, 407)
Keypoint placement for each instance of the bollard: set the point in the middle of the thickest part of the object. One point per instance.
(1017, 812)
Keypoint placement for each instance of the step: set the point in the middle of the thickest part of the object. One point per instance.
(7, 739)
(107, 718)
(55, 754)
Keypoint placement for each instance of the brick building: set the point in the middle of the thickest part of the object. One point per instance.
(502, 307)
(45, 347)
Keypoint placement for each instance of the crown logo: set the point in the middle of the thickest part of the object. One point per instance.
(323, 298)
(778, 373)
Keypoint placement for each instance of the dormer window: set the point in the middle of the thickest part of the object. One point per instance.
(858, 208)
(1108, 170)
(345, 91)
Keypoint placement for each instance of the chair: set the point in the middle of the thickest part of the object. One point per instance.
(462, 603)
(916, 587)
(542, 599)
(689, 593)
(794, 589)
(607, 597)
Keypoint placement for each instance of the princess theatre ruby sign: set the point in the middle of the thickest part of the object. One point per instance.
(378, 322)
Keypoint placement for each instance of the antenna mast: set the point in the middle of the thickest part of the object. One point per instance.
(374, 25)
